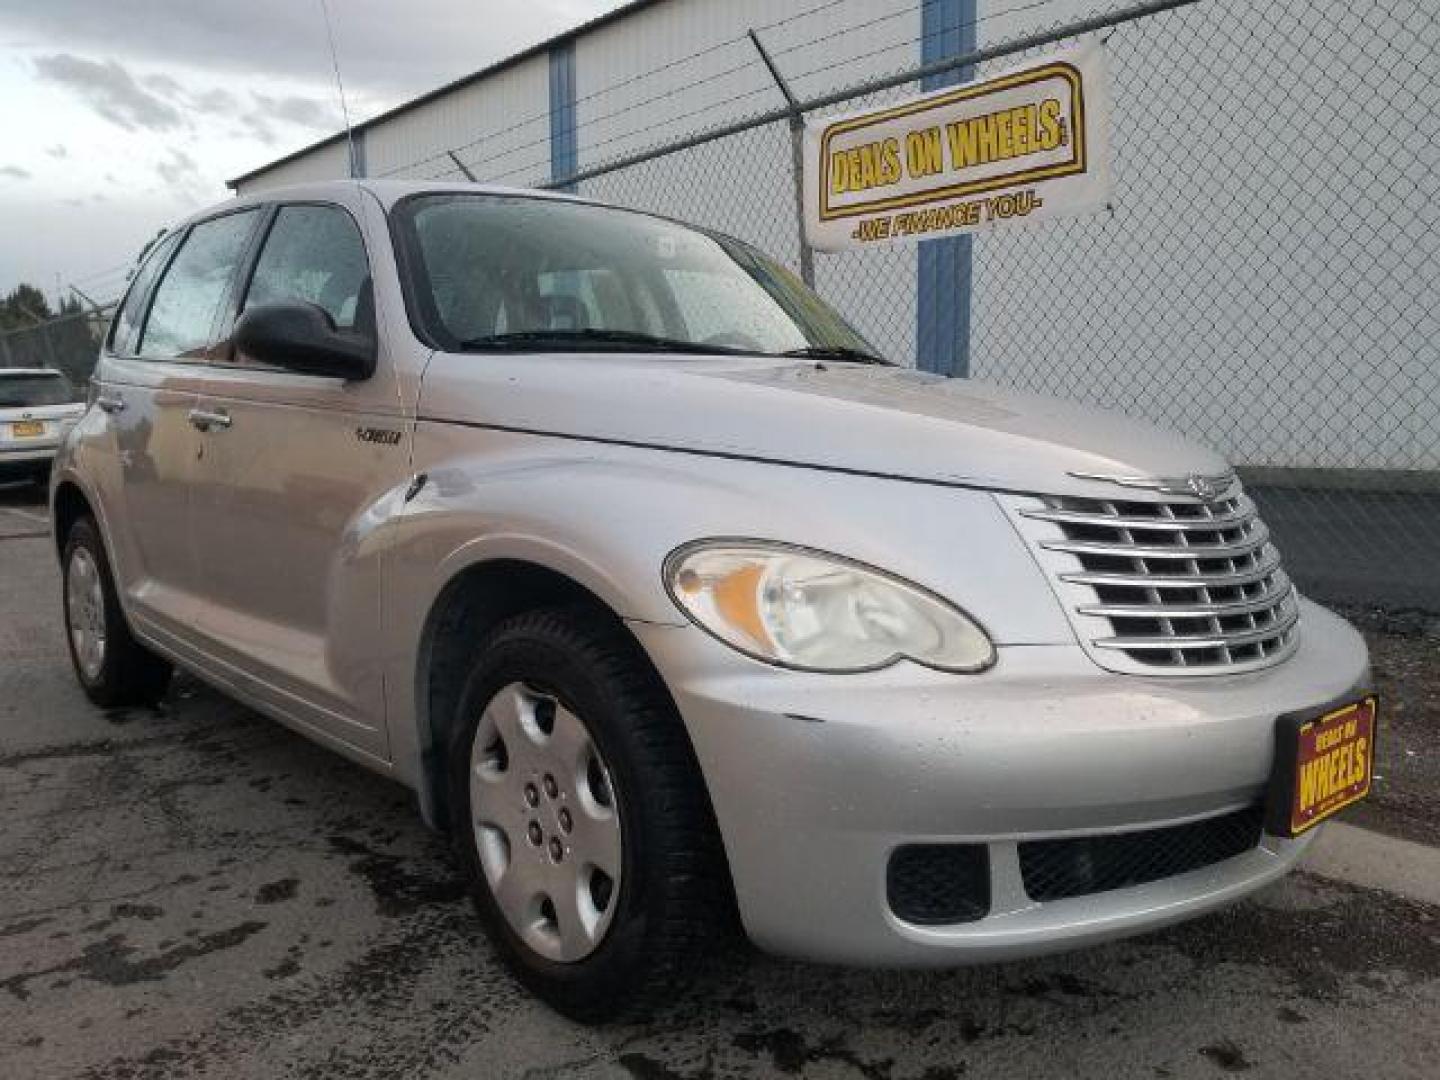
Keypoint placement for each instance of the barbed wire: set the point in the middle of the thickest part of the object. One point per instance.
(751, 62)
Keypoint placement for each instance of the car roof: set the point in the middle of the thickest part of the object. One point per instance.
(386, 192)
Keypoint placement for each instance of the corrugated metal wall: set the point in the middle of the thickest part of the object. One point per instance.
(509, 112)
(329, 162)
(743, 185)
(1067, 307)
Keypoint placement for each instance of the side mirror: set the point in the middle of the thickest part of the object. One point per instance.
(301, 337)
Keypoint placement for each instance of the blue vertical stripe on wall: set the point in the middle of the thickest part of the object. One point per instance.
(942, 331)
(564, 148)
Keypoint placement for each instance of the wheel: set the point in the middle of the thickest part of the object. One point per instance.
(113, 668)
(580, 816)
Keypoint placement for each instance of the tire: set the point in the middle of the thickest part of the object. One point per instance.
(112, 667)
(672, 901)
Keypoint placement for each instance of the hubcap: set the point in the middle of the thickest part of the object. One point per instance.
(546, 825)
(85, 612)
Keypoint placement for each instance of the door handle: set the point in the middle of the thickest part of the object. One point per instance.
(110, 403)
(206, 420)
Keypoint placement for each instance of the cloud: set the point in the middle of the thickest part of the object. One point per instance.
(162, 84)
(59, 151)
(111, 91)
(14, 172)
(217, 101)
(253, 126)
(178, 168)
(387, 51)
(300, 111)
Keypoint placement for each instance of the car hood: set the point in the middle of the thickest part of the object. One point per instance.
(856, 418)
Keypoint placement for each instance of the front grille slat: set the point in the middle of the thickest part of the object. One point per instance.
(1188, 550)
(1169, 523)
(1175, 586)
(1265, 567)
(1278, 589)
(1201, 641)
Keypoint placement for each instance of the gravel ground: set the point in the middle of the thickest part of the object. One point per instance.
(197, 892)
(1405, 657)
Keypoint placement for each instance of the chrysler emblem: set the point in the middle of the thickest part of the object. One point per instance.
(1205, 488)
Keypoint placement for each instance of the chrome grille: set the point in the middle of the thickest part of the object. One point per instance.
(1188, 587)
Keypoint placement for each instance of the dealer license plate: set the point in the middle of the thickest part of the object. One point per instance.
(27, 429)
(1324, 763)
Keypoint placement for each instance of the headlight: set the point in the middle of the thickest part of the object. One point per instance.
(817, 612)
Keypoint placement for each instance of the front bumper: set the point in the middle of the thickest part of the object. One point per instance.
(817, 779)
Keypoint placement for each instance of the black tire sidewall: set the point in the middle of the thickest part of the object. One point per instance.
(83, 534)
(526, 653)
(129, 674)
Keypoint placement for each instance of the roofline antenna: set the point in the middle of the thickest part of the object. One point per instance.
(340, 86)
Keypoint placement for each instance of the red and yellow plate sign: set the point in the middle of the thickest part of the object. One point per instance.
(1325, 764)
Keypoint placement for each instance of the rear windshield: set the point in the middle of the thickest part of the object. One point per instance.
(35, 390)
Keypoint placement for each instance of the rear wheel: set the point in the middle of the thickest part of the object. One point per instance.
(581, 817)
(113, 668)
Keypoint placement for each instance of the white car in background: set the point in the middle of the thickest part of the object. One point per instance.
(37, 410)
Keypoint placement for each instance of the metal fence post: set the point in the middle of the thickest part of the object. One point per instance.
(797, 154)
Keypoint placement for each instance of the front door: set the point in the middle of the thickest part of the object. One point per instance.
(147, 394)
(285, 505)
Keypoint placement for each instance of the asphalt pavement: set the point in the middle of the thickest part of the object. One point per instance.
(195, 891)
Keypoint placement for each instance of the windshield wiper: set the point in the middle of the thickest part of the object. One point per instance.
(841, 353)
(582, 339)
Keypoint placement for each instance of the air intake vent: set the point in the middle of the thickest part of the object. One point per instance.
(938, 884)
(1057, 869)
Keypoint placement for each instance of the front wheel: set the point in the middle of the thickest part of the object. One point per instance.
(113, 668)
(580, 815)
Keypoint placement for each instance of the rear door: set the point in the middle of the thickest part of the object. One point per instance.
(148, 393)
(293, 467)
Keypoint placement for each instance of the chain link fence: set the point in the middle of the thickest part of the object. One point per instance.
(1265, 281)
(68, 342)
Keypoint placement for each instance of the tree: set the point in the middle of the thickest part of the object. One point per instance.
(24, 306)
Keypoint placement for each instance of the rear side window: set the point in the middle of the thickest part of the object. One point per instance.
(132, 313)
(315, 254)
(182, 316)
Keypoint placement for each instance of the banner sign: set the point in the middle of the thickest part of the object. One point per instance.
(1030, 143)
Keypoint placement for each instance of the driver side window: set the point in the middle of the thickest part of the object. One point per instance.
(314, 254)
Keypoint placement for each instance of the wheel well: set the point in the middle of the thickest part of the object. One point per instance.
(476, 601)
(70, 506)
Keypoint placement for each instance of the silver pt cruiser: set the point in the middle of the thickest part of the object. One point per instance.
(672, 599)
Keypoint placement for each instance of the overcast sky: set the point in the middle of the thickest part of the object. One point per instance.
(121, 115)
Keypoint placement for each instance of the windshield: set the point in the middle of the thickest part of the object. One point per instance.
(492, 271)
(20, 390)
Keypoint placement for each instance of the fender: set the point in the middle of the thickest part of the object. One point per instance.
(605, 517)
